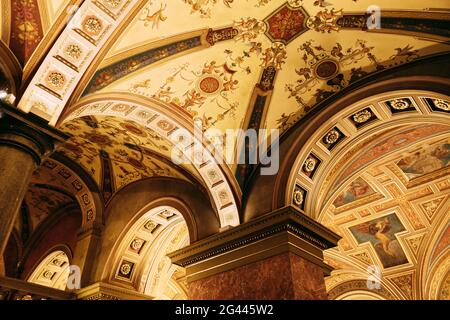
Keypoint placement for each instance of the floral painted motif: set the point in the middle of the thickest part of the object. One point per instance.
(26, 28)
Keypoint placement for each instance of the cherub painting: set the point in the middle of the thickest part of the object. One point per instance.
(381, 234)
(356, 190)
(426, 161)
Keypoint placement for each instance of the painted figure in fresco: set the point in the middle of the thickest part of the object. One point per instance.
(356, 190)
(424, 162)
(379, 230)
(381, 233)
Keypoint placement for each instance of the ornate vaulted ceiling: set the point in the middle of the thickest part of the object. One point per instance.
(118, 153)
(244, 65)
(254, 70)
(214, 78)
(385, 224)
(24, 25)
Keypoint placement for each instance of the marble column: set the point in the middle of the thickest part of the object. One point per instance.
(275, 256)
(25, 140)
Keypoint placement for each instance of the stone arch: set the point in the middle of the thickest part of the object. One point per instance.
(360, 295)
(332, 160)
(139, 261)
(77, 183)
(305, 139)
(346, 289)
(435, 266)
(176, 128)
(200, 218)
(58, 231)
(52, 270)
(10, 69)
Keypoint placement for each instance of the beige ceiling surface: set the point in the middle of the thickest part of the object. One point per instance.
(162, 18)
(50, 10)
(215, 84)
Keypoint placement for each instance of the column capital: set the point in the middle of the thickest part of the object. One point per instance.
(284, 230)
(28, 132)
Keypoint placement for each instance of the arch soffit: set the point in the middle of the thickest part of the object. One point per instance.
(383, 120)
(173, 126)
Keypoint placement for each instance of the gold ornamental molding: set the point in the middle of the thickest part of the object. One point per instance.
(52, 33)
(105, 291)
(281, 231)
(331, 160)
(5, 19)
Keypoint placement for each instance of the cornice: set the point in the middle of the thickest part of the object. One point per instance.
(284, 230)
(105, 291)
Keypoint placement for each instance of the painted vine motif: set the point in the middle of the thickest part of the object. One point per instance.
(131, 151)
(150, 16)
(321, 74)
(215, 82)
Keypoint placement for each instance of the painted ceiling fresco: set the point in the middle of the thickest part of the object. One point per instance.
(384, 220)
(24, 24)
(50, 191)
(233, 64)
(118, 152)
(295, 50)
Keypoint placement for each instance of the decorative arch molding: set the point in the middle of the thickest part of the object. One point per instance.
(140, 261)
(320, 164)
(11, 68)
(178, 129)
(347, 282)
(76, 54)
(352, 267)
(433, 270)
(39, 240)
(81, 188)
(431, 79)
(5, 22)
(51, 33)
(52, 270)
(360, 295)
(438, 277)
(444, 291)
(201, 219)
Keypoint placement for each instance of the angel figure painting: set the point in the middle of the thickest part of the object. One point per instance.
(381, 234)
(426, 161)
(356, 190)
